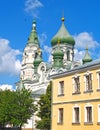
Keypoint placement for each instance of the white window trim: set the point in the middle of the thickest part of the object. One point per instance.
(98, 79)
(98, 112)
(86, 74)
(85, 114)
(59, 88)
(59, 115)
(73, 81)
(73, 115)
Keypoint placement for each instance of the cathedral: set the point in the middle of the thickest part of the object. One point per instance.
(35, 73)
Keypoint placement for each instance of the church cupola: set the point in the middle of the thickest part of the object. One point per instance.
(87, 58)
(37, 60)
(33, 38)
(62, 35)
(58, 57)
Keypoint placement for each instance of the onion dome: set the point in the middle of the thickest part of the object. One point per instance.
(58, 57)
(87, 58)
(33, 38)
(63, 35)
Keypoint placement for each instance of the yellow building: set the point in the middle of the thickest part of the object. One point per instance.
(76, 98)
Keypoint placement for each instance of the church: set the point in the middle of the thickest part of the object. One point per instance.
(37, 74)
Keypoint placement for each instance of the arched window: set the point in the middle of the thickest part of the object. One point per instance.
(68, 55)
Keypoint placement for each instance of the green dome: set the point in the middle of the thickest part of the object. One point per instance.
(87, 58)
(63, 35)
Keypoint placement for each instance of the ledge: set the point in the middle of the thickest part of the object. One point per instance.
(98, 90)
(59, 95)
(88, 123)
(88, 91)
(75, 93)
(98, 123)
(59, 123)
(75, 123)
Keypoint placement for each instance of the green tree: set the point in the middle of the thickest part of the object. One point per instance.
(6, 102)
(44, 112)
(16, 107)
(24, 108)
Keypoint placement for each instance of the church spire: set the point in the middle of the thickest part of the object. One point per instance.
(33, 38)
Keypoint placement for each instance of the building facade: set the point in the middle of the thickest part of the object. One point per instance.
(35, 73)
(76, 97)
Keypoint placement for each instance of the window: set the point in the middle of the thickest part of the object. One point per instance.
(88, 83)
(60, 116)
(88, 114)
(76, 84)
(99, 113)
(98, 77)
(76, 115)
(68, 55)
(61, 88)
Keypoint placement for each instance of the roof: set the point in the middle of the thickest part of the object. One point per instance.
(81, 68)
(62, 35)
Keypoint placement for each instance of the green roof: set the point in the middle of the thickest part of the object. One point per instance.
(33, 38)
(62, 35)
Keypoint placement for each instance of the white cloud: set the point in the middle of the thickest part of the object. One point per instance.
(6, 86)
(84, 40)
(8, 58)
(32, 6)
(78, 55)
(42, 38)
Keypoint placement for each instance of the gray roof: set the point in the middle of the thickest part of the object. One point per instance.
(81, 68)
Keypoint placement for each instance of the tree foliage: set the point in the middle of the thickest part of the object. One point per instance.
(44, 112)
(16, 107)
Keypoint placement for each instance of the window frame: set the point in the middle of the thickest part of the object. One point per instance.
(98, 80)
(75, 121)
(60, 115)
(88, 84)
(61, 88)
(88, 116)
(76, 86)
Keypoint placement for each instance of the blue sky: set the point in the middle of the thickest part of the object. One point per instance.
(82, 19)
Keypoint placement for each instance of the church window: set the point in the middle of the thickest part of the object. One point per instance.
(60, 116)
(61, 88)
(68, 55)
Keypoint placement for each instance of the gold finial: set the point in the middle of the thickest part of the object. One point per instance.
(63, 19)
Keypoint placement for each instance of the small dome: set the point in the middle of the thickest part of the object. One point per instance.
(63, 35)
(87, 58)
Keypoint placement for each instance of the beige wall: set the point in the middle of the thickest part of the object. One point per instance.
(68, 101)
